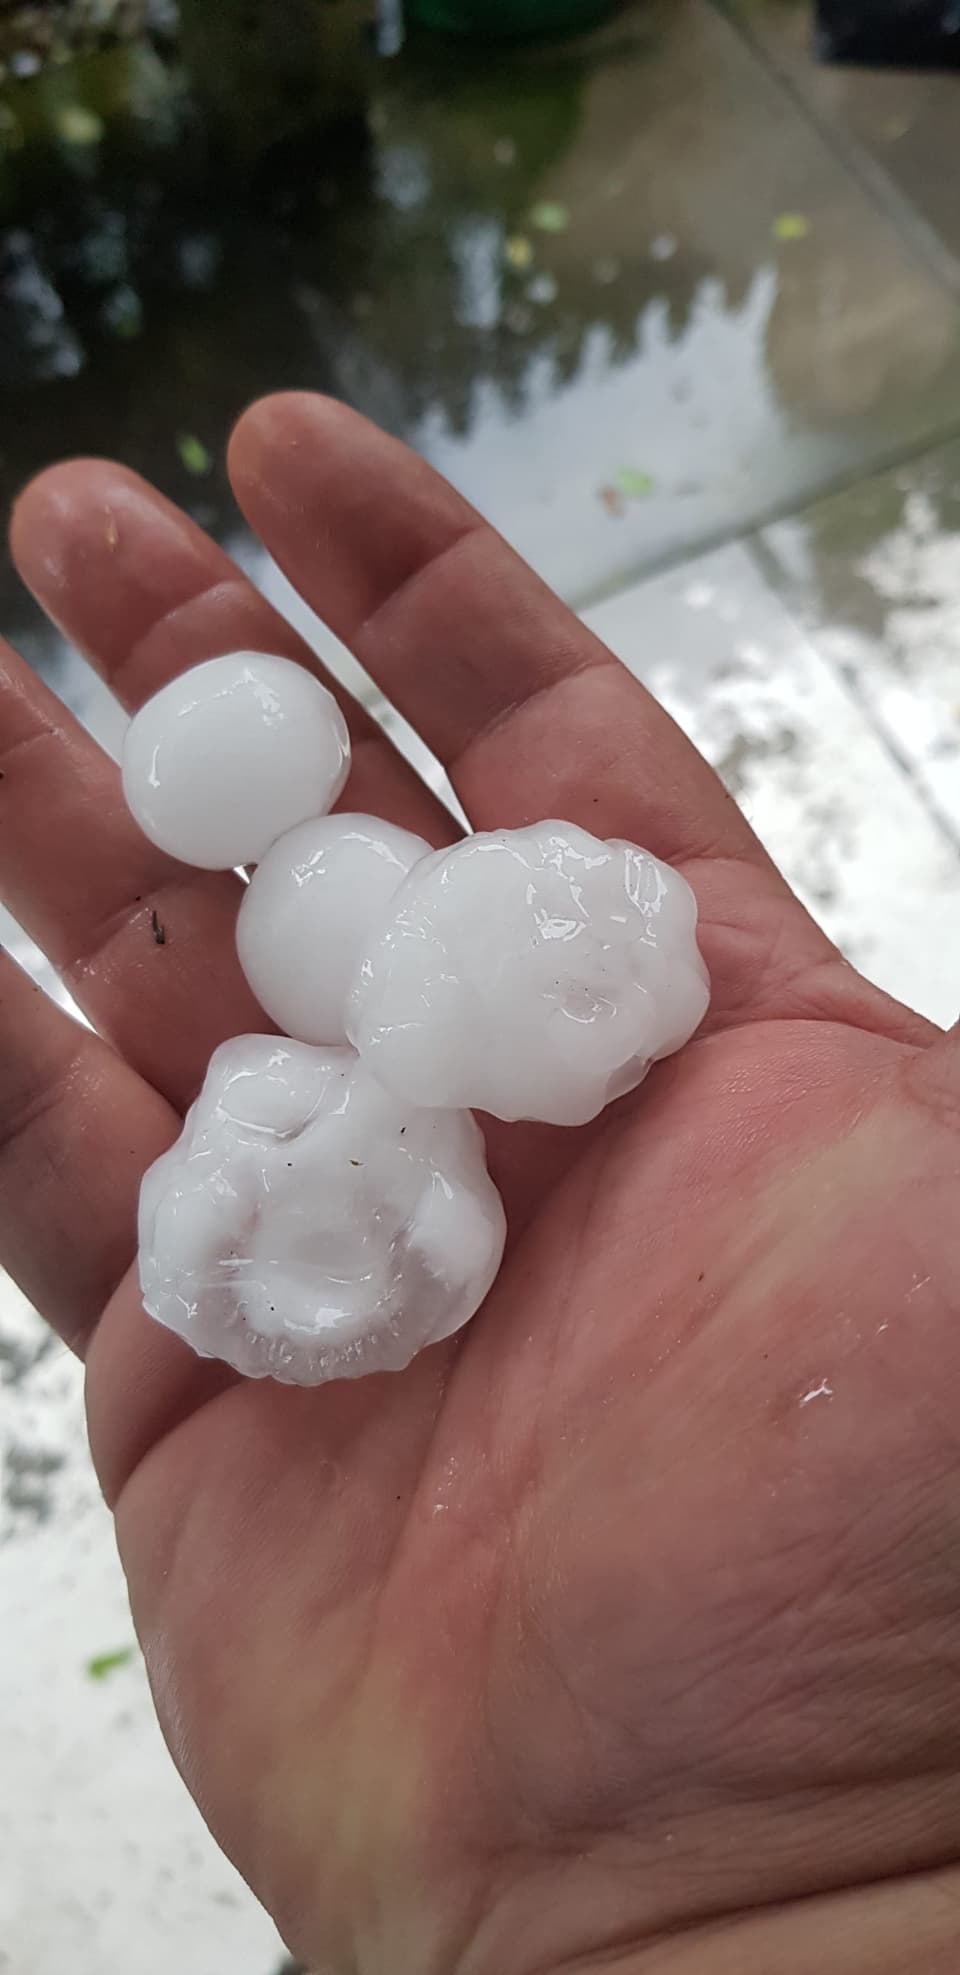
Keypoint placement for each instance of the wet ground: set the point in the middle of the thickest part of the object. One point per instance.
(681, 312)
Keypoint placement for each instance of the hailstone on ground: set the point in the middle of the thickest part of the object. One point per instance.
(307, 910)
(229, 756)
(532, 973)
(307, 1225)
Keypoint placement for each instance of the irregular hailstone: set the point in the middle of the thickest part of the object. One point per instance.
(307, 910)
(532, 973)
(230, 755)
(309, 1226)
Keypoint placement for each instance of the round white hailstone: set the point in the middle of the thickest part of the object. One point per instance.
(307, 1226)
(532, 973)
(232, 754)
(307, 910)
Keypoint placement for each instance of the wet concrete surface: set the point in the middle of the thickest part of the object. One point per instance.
(620, 292)
(766, 332)
(680, 312)
(894, 129)
(874, 576)
(847, 821)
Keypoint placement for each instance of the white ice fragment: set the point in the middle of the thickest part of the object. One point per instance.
(532, 973)
(318, 893)
(230, 755)
(309, 1226)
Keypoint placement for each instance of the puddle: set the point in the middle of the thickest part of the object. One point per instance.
(618, 290)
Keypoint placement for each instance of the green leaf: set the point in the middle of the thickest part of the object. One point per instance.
(193, 454)
(633, 484)
(549, 216)
(791, 226)
(517, 251)
(106, 1663)
(77, 125)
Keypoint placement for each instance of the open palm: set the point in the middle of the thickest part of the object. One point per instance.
(623, 1630)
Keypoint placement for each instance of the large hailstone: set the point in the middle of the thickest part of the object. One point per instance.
(229, 756)
(532, 973)
(308, 909)
(309, 1226)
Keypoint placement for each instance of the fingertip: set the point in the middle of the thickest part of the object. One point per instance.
(283, 418)
(74, 505)
(268, 447)
(36, 523)
(59, 489)
(289, 445)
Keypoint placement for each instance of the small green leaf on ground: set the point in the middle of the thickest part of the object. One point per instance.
(634, 485)
(77, 125)
(193, 454)
(549, 216)
(103, 1664)
(791, 226)
(518, 251)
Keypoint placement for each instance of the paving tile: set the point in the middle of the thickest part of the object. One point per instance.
(837, 812)
(107, 1865)
(623, 293)
(874, 574)
(686, 369)
(903, 122)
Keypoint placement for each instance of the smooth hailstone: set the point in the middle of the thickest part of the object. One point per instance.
(232, 754)
(532, 973)
(309, 1226)
(307, 910)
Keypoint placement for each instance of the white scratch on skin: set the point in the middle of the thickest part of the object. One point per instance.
(821, 1391)
(919, 1282)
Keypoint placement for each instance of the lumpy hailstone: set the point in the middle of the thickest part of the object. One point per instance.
(533, 973)
(309, 1226)
(318, 893)
(232, 754)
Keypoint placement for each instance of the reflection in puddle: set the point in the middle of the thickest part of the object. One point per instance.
(563, 273)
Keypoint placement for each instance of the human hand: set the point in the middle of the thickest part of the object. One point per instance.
(623, 1631)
